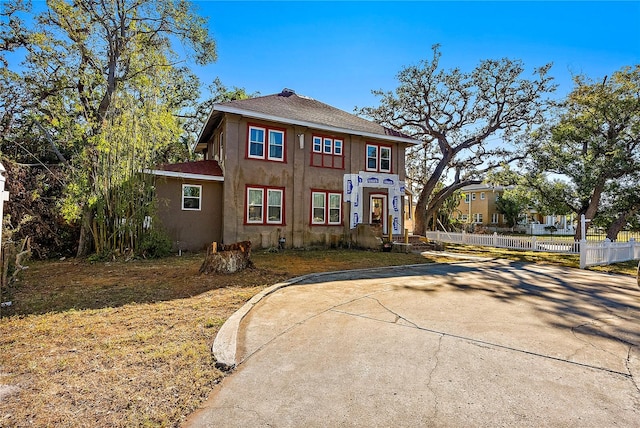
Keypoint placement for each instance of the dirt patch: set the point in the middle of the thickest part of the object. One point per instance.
(128, 344)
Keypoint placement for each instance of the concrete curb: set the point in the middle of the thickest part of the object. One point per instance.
(225, 344)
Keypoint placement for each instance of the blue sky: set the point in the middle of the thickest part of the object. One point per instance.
(337, 52)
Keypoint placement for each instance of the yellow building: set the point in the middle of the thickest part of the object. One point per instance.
(479, 205)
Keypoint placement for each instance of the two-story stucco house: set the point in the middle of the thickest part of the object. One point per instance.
(284, 168)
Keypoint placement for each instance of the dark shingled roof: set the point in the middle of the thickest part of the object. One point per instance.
(205, 167)
(292, 108)
(288, 105)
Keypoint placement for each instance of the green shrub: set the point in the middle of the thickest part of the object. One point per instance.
(155, 244)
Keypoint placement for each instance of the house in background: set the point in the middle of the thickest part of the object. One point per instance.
(478, 207)
(284, 168)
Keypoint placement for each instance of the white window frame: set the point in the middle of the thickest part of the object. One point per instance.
(281, 215)
(198, 198)
(221, 147)
(381, 158)
(337, 147)
(467, 198)
(262, 143)
(317, 144)
(375, 157)
(495, 218)
(314, 207)
(482, 196)
(327, 143)
(248, 207)
(272, 144)
(477, 218)
(327, 196)
(265, 192)
(473, 196)
(379, 149)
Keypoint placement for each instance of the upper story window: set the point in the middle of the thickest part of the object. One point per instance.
(265, 143)
(327, 152)
(326, 208)
(482, 195)
(467, 198)
(264, 205)
(378, 158)
(473, 196)
(191, 197)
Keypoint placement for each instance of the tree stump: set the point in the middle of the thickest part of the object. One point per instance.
(227, 258)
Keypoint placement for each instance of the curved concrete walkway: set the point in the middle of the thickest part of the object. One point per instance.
(492, 343)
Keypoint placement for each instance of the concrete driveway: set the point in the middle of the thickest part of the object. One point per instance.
(484, 343)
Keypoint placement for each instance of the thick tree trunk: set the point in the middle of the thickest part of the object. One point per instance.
(227, 258)
(85, 242)
(590, 209)
(618, 224)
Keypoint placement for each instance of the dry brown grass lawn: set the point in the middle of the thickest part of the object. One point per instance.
(127, 344)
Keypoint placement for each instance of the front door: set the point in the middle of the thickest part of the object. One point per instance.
(378, 215)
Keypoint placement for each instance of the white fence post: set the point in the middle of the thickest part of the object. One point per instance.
(583, 253)
(607, 253)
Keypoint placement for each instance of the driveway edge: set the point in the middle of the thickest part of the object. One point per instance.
(225, 344)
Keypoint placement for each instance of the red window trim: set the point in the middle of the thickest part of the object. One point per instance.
(326, 207)
(327, 160)
(378, 146)
(265, 157)
(264, 205)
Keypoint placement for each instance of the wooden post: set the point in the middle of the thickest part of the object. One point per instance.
(390, 228)
(406, 236)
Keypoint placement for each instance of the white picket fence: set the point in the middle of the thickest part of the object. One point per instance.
(591, 253)
(607, 252)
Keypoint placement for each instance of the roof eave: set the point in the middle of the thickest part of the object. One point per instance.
(256, 115)
(190, 176)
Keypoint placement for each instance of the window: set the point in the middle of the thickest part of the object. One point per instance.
(494, 218)
(327, 152)
(466, 198)
(473, 196)
(378, 158)
(265, 143)
(264, 205)
(276, 145)
(191, 197)
(256, 142)
(482, 196)
(328, 146)
(463, 217)
(221, 147)
(326, 208)
(477, 218)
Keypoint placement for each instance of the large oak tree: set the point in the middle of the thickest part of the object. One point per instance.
(465, 120)
(102, 88)
(594, 146)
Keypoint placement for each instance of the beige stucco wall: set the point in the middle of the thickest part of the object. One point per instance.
(190, 230)
(296, 175)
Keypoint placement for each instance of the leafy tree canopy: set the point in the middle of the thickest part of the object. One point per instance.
(103, 89)
(460, 117)
(594, 144)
